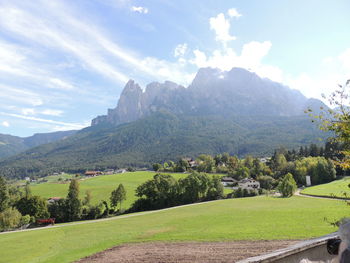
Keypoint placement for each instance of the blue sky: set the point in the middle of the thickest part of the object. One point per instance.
(64, 62)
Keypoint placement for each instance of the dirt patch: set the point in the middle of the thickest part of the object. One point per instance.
(156, 252)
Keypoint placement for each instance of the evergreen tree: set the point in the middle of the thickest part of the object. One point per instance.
(27, 190)
(73, 202)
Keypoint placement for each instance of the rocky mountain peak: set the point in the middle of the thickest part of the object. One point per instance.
(212, 92)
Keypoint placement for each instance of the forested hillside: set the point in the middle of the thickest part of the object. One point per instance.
(160, 137)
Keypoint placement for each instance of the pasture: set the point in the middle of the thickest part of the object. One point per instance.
(255, 218)
(336, 188)
(100, 186)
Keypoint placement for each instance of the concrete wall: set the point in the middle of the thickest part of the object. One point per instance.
(314, 250)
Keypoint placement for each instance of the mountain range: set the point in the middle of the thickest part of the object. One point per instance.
(11, 145)
(232, 111)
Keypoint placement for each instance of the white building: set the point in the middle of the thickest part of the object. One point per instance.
(227, 181)
(249, 184)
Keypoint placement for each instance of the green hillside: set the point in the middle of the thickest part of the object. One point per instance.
(161, 137)
(100, 187)
(257, 218)
(336, 188)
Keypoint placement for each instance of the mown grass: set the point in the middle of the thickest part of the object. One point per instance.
(338, 188)
(257, 218)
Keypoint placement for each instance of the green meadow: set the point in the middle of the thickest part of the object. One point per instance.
(100, 186)
(336, 188)
(255, 218)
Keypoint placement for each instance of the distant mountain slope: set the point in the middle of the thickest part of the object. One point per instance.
(162, 136)
(11, 145)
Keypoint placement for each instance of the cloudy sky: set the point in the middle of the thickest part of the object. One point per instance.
(64, 62)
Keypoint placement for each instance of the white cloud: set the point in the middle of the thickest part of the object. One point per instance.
(48, 112)
(232, 12)
(221, 26)
(20, 95)
(51, 112)
(139, 9)
(333, 70)
(5, 124)
(67, 125)
(344, 58)
(28, 111)
(180, 50)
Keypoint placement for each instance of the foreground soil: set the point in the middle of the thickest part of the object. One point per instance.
(154, 252)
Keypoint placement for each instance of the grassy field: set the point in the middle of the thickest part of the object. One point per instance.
(336, 188)
(101, 186)
(256, 218)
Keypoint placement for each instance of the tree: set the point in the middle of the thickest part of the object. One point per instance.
(4, 195)
(206, 163)
(216, 189)
(194, 187)
(159, 192)
(27, 190)
(337, 120)
(156, 167)
(35, 206)
(87, 198)
(9, 218)
(73, 202)
(287, 186)
(118, 196)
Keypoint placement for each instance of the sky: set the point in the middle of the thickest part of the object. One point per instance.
(64, 62)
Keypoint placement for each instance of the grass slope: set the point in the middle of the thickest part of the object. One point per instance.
(257, 218)
(336, 188)
(101, 186)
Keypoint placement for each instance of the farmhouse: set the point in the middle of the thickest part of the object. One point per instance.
(227, 181)
(121, 171)
(93, 173)
(52, 200)
(248, 184)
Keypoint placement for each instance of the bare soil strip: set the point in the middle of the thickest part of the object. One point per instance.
(189, 252)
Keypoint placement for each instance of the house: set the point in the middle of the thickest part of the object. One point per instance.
(228, 181)
(52, 200)
(93, 173)
(191, 163)
(249, 184)
(121, 171)
(109, 171)
(27, 179)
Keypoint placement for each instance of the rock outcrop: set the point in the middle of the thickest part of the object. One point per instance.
(212, 92)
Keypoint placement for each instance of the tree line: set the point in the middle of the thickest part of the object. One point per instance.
(165, 191)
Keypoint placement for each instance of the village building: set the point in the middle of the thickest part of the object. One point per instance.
(52, 200)
(228, 181)
(121, 171)
(93, 173)
(248, 184)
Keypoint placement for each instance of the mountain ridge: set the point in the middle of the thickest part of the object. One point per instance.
(212, 91)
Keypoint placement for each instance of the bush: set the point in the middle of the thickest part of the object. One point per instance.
(10, 218)
(25, 220)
